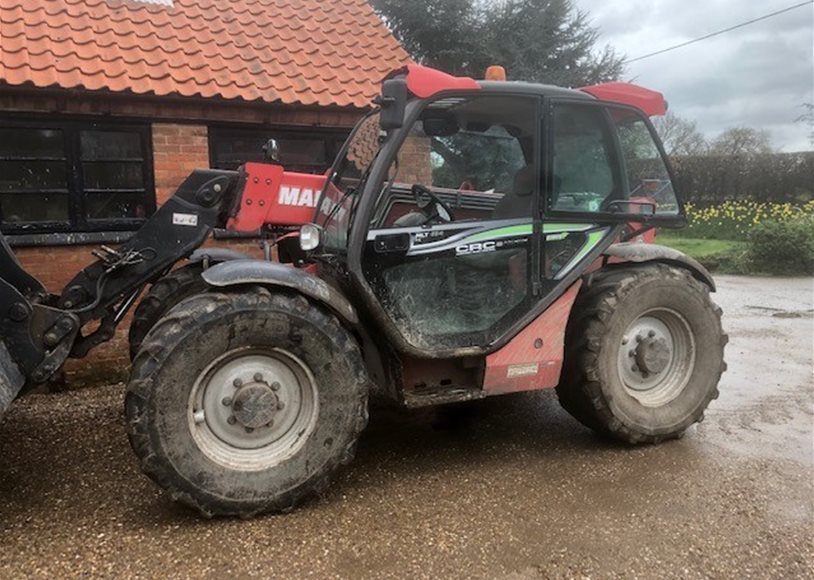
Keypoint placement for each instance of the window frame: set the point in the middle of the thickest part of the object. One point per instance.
(619, 167)
(78, 222)
(333, 138)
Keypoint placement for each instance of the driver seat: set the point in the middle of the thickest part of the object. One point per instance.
(517, 204)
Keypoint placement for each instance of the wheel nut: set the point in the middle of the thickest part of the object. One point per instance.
(280, 404)
(237, 383)
(631, 353)
(275, 386)
(651, 334)
(270, 423)
(624, 340)
(258, 377)
(638, 338)
(645, 374)
(227, 401)
(249, 429)
(231, 420)
(634, 368)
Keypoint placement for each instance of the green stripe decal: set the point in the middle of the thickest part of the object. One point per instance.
(525, 230)
(590, 244)
(521, 230)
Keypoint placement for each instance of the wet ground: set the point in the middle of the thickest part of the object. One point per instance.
(518, 491)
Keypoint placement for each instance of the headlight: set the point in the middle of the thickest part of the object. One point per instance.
(310, 237)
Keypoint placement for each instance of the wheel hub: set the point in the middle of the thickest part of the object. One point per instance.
(252, 407)
(255, 405)
(653, 355)
(656, 356)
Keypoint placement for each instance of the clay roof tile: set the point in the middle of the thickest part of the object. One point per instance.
(310, 52)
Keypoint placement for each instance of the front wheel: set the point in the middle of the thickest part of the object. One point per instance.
(247, 402)
(644, 353)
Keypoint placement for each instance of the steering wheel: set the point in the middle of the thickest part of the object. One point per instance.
(432, 206)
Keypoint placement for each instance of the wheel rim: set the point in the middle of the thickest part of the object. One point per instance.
(253, 408)
(656, 357)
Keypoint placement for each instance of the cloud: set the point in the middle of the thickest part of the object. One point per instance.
(755, 76)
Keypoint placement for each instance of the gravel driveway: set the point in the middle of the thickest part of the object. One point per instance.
(516, 489)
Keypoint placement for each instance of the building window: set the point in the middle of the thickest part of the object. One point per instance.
(302, 151)
(74, 176)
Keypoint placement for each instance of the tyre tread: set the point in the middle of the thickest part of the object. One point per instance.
(159, 345)
(164, 293)
(580, 391)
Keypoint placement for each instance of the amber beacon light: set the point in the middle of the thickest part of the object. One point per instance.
(495, 73)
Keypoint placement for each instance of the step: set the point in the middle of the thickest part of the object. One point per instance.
(440, 395)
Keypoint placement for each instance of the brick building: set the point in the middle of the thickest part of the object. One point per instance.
(106, 105)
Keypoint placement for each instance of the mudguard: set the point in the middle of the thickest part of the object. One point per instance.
(640, 252)
(238, 272)
(11, 379)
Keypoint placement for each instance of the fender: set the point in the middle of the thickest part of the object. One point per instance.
(217, 255)
(238, 272)
(640, 252)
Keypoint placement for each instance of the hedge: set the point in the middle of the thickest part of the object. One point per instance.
(778, 177)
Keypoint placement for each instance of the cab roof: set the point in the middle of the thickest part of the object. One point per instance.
(425, 82)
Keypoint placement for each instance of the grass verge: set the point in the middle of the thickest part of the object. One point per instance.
(724, 256)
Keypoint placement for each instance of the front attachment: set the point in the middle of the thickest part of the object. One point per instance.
(11, 380)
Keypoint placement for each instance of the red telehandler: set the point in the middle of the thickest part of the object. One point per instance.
(472, 238)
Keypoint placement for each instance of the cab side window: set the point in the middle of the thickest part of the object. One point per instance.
(583, 165)
(647, 176)
(606, 161)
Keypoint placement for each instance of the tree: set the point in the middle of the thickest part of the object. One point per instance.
(807, 118)
(741, 141)
(680, 136)
(536, 40)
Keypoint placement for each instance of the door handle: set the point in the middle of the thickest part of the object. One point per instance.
(388, 243)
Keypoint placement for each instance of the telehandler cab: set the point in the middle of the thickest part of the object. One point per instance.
(473, 238)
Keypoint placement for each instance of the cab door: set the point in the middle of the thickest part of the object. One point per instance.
(451, 254)
(605, 171)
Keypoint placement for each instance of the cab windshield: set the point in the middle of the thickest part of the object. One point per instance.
(342, 191)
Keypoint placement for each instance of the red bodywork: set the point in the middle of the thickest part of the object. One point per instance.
(276, 197)
(532, 359)
(651, 103)
(425, 82)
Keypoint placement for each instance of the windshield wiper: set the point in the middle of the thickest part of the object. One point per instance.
(350, 191)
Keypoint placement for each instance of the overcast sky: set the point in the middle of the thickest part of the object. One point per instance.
(755, 76)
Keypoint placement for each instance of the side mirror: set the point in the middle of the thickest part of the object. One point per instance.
(393, 102)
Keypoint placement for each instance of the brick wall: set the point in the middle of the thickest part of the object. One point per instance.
(177, 151)
(415, 164)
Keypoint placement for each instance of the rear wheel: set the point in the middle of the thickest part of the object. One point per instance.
(644, 353)
(246, 402)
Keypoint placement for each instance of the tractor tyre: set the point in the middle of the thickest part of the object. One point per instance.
(165, 293)
(246, 402)
(644, 353)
